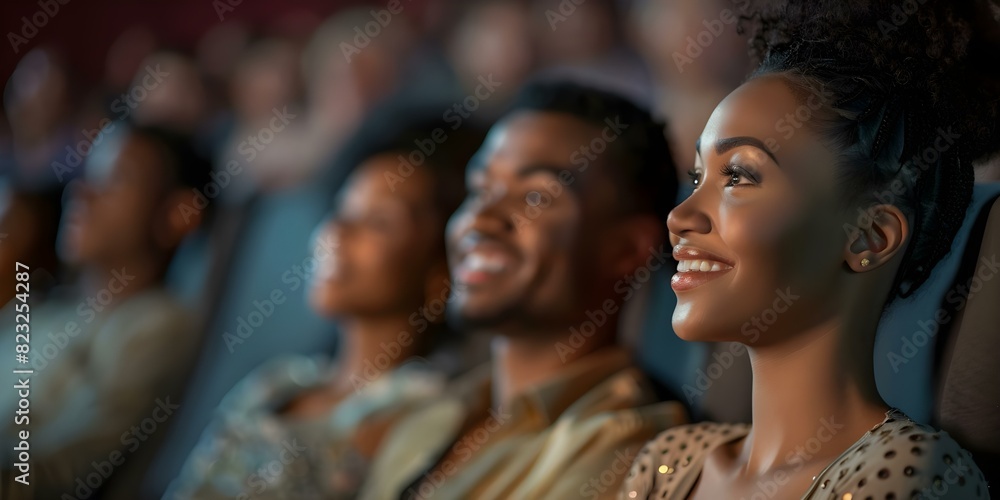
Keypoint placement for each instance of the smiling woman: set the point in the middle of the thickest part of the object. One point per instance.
(862, 108)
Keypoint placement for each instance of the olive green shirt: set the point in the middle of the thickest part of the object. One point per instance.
(572, 437)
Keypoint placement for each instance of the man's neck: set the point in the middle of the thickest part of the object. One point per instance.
(109, 284)
(523, 361)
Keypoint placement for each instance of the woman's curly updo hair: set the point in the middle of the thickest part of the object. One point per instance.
(910, 95)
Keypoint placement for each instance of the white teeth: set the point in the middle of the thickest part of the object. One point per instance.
(704, 266)
(479, 262)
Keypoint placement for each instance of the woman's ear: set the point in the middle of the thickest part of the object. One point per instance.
(180, 216)
(876, 243)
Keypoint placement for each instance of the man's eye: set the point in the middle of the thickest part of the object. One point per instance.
(533, 198)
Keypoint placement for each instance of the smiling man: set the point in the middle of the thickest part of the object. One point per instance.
(567, 198)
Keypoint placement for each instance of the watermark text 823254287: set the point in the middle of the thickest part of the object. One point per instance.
(22, 327)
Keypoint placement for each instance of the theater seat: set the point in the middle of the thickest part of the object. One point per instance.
(968, 375)
(712, 380)
(907, 349)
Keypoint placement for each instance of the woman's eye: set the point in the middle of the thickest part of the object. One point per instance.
(695, 178)
(737, 176)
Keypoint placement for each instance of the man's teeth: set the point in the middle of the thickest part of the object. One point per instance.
(477, 262)
(688, 266)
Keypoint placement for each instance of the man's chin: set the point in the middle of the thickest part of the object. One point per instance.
(471, 318)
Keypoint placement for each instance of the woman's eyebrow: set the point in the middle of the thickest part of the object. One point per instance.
(723, 145)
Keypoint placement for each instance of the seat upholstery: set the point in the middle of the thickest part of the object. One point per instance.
(968, 375)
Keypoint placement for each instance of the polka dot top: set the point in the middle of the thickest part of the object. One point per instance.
(897, 459)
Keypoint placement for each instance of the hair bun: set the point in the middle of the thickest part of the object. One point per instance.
(939, 55)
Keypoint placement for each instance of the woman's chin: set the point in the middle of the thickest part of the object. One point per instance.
(692, 330)
(325, 303)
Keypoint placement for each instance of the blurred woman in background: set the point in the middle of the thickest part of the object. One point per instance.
(382, 275)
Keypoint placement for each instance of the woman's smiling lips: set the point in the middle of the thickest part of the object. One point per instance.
(695, 267)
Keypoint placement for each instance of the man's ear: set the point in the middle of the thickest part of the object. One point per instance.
(180, 216)
(877, 243)
(636, 238)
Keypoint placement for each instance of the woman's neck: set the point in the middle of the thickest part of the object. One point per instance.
(372, 347)
(814, 395)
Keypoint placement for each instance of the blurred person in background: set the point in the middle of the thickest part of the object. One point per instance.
(38, 100)
(347, 76)
(29, 223)
(175, 96)
(696, 58)
(283, 176)
(586, 42)
(383, 277)
(264, 83)
(539, 252)
(489, 41)
(112, 354)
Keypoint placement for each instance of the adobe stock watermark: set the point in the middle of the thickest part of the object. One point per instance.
(796, 459)
(461, 452)
(132, 439)
(751, 330)
(562, 12)
(958, 469)
(901, 14)
(363, 35)
(122, 107)
(609, 478)
(383, 361)
(959, 296)
(249, 148)
(420, 320)
(581, 158)
(47, 10)
(455, 115)
(88, 309)
(714, 28)
(223, 7)
(626, 287)
(293, 279)
(907, 177)
(769, 487)
(272, 471)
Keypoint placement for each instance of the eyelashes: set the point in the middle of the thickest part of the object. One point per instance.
(737, 176)
(695, 177)
(735, 173)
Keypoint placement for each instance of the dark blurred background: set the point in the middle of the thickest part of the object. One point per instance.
(271, 93)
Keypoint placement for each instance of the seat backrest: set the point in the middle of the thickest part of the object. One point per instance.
(261, 313)
(906, 346)
(712, 379)
(968, 376)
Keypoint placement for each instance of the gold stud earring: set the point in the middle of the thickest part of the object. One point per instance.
(865, 262)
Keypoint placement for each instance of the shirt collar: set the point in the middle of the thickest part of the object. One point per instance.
(547, 400)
